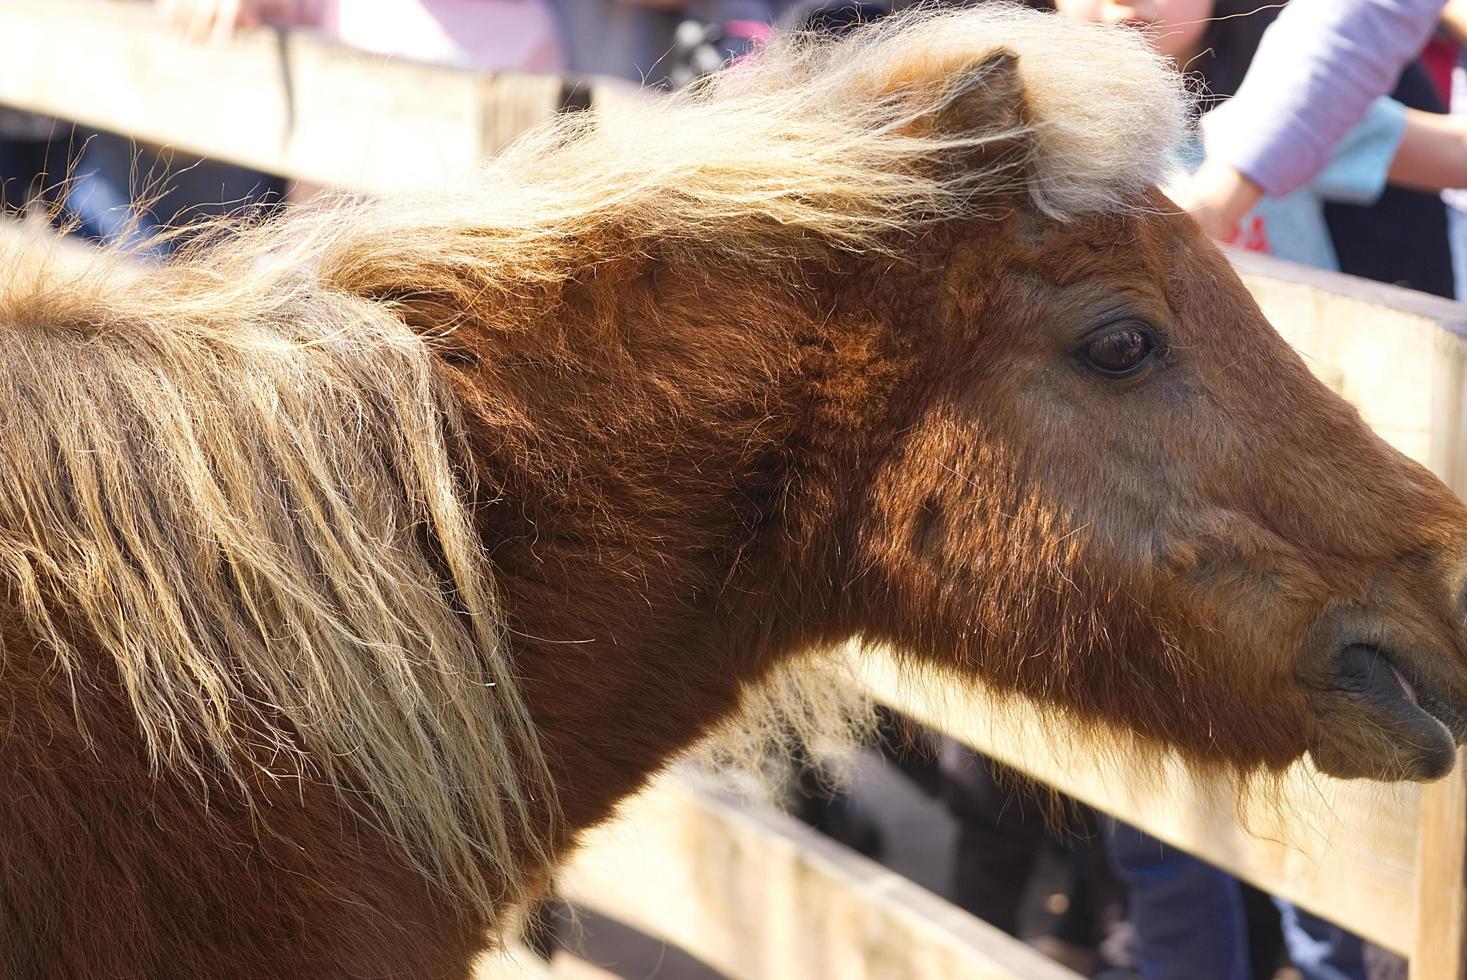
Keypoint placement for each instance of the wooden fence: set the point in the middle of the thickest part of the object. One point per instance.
(752, 893)
(277, 101)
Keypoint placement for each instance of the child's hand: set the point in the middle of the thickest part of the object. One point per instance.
(1216, 196)
(210, 20)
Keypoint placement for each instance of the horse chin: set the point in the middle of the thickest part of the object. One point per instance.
(1375, 722)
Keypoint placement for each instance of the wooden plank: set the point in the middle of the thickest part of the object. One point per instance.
(1440, 949)
(1337, 292)
(283, 102)
(1338, 848)
(1399, 356)
(756, 894)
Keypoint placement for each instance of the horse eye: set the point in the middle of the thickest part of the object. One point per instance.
(1120, 351)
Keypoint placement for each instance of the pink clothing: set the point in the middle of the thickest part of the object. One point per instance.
(485, 34)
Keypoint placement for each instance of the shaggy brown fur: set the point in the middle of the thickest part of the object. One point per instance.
(355, 565)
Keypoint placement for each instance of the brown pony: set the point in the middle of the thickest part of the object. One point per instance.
(354, 564)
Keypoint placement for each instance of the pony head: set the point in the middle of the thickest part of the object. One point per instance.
(1103, 480)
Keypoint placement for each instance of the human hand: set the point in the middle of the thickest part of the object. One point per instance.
(210, 20)
(1216, 196)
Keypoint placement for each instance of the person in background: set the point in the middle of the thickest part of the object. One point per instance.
(487, 35)
(1005, 826)
(1317, 71)
(1402, 237)
(1398, 235)
(1454, 25)
(109, 190)
(1390, 144)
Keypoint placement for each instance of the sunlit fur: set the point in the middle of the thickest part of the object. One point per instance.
(395, 542)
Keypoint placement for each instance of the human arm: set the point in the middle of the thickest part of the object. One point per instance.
(1316, 72)
(1359, 165)
(1217, 196)
(1433, 152)
(1318, 69)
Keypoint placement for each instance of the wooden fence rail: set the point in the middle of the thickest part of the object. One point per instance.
(737, 889)
(754, 893)
(284, 102)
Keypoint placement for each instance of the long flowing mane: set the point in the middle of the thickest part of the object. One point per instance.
(243, 476)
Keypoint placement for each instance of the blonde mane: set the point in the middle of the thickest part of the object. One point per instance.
(245, 478)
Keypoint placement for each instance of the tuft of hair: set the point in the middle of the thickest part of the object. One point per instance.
(810, 145)
(1295, 801)
(249, 492)
(804, 720)
(1102, 115)
(243, 475)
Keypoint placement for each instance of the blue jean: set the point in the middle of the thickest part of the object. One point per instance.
(1190, 923)
(1319, 948)
(99, 198)
(92, 180)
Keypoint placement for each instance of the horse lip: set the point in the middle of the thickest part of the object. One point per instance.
(1366, 669)
(1429, 697)
(1421, 725)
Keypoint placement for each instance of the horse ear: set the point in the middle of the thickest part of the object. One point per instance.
(986, 97)
(973, 110)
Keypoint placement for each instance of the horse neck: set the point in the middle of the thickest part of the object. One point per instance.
(660, 489)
